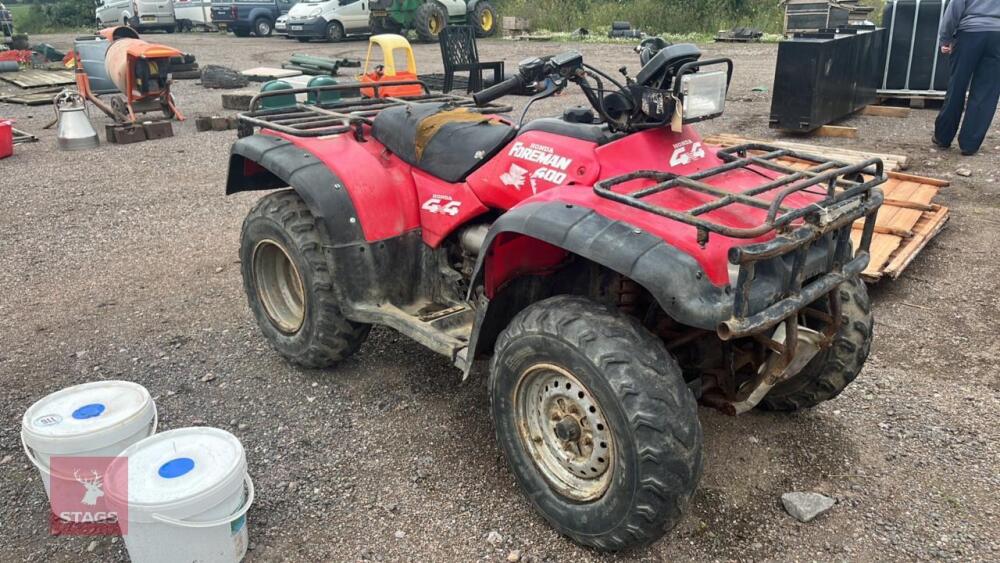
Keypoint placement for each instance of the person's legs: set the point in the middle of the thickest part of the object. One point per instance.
(983, 95)
(963, 61)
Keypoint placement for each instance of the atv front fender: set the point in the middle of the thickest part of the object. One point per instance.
(673, 278)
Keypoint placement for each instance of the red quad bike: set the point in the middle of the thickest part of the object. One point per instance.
(613, 268)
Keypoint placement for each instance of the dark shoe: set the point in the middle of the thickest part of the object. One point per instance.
(939, 144)
(968, 153)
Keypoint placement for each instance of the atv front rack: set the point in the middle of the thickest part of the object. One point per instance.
(849, 192)
(341, 116)
(842, 183)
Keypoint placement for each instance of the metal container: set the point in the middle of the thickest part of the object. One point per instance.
(824, 76)
(913, 61)
(75, 131)
(91, 52)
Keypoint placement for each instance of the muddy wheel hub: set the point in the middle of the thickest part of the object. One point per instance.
(563, 428)
(279, 286)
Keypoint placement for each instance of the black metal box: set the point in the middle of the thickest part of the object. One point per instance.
(913, 58)
(824, 76)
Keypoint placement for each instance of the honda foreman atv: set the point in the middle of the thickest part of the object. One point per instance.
(614, 268)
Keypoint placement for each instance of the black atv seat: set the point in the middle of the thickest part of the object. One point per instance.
(445, 141)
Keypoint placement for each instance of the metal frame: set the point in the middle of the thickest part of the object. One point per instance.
(906, 91)
(334, 118)
(848, 196)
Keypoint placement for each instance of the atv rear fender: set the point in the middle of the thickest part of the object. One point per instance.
(536, 236)
(375, 260)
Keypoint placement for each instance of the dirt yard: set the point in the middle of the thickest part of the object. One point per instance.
(121, 262)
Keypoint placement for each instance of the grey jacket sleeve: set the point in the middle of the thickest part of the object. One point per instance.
(949, 23)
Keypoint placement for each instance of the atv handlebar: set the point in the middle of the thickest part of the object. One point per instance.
(500, 89)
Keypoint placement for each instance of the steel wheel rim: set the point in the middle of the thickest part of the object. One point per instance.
(333, 33)
(279, 286)
(263, 28)
(435, 24)
(487, 20)
(564, 431)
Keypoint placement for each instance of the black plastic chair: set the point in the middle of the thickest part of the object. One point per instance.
(458, 49)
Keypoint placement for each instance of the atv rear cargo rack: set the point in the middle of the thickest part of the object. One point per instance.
(341, 116)
(850, 192)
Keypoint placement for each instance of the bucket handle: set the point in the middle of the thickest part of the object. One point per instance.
(45, 470)
(224, 520)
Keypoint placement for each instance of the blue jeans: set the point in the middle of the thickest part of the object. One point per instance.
(975, 60)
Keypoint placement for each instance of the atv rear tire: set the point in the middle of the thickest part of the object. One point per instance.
(484, 19)
(428, 21)
(596, 422)
(835, 368)
(289, 287)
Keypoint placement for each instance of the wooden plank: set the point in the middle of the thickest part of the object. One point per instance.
(884, 230)
(29, 99)
(886, 111)
(33, 78)
(837, 131)
(892, 161)
(930, 228)
(937, 182)
(264, 73)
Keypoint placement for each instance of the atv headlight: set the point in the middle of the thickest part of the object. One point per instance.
(704, 95)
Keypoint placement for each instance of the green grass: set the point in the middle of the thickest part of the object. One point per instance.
(30, 19)
(601, 36)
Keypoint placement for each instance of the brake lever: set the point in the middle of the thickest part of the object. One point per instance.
(549, 86)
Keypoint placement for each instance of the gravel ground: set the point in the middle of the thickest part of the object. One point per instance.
(121, 262)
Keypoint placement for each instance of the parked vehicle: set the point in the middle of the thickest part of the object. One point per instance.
(193, 13)
(6, 25)
(332, 20)
(244, 17)
(141, 15)
(428, 17)
(281, 25)
(610, 266)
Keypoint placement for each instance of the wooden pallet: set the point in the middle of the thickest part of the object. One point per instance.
(892, 161)
(906, 222)
(32, 78)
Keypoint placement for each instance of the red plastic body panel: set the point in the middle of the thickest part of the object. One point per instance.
(532, 163)
(443, 207)
(513, 255)
(391, 197)
(381, 186)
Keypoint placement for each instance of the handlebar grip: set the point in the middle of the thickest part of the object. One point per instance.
(499, 90)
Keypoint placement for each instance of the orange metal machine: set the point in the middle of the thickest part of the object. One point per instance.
(140, 71)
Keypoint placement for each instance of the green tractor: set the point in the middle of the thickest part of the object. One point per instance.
(428, 17)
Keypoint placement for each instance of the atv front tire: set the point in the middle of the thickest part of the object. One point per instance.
(833, 369)
(428, 21)
(289, 286)
(596, 422)
(484, 19)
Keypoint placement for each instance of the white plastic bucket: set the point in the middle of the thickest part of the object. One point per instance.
(188, 494)
(95, 419)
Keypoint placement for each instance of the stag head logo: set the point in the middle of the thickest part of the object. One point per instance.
(92, 486)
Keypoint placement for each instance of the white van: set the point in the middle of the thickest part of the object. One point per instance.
(140, 15)
(332, 20)
(193, 13)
